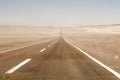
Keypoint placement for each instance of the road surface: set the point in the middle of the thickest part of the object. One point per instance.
(53, 60)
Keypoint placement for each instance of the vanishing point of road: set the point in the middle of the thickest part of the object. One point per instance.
(53, 60)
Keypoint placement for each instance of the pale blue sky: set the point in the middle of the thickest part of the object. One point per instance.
(59, 12)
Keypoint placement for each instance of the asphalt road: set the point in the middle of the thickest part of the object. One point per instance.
(53, 60)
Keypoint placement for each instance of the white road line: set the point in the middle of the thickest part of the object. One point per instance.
(43, 50)
(54, 42)
(18, 66)
(18, 48)
(116, 57)
(49, 45)
(98, 62)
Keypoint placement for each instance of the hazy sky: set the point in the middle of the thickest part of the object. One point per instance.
(59, 12)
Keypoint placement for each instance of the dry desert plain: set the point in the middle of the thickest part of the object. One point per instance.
(100, 41)
(19, 36)
(59, 60)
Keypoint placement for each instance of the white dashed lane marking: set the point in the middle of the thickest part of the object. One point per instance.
(18, 66)
(49, 45)
(43, 50)
(116, 57)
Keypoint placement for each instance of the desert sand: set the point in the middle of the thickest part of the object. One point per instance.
(100, 41)
(60, 60)
(19, 36)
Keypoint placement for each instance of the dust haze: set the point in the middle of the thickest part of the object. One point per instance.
(100, 41)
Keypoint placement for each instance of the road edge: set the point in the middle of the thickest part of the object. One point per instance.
(95, 60)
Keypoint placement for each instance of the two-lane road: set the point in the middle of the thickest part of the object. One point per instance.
(54, 60)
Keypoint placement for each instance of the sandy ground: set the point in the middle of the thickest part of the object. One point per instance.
(101, 42)
(60, 61)
(18, 36)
